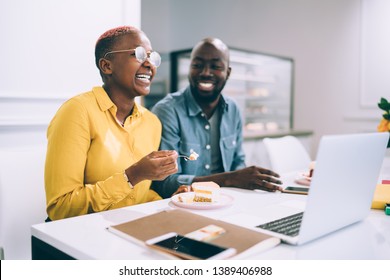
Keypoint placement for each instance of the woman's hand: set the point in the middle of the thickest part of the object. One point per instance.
(183, 189)
(155, 166)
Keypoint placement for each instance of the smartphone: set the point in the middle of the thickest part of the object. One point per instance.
(296, 190)
(188, 248)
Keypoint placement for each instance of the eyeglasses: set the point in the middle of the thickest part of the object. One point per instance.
(141, 55)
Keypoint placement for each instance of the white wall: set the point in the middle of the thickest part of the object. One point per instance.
(322, 36)
(47, 54)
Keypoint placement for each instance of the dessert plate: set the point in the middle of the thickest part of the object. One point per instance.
(225, 200)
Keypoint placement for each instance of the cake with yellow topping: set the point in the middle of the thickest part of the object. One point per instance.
(206, 191)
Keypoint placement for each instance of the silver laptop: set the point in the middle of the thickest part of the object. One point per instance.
(341, 190)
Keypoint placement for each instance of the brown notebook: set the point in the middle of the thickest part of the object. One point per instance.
(184, 222)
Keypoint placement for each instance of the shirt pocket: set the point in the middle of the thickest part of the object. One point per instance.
(229, 148)
(189, 166)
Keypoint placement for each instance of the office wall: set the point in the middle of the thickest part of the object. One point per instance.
(323, 37)
(47, 49)
(47, 54)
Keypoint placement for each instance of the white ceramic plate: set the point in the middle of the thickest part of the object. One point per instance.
(225, 200)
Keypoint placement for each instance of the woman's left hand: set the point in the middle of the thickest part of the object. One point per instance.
(183, 189)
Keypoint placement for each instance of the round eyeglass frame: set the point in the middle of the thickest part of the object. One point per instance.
(141, 55)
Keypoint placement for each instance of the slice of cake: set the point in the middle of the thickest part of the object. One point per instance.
(206, 191)
(193, 155)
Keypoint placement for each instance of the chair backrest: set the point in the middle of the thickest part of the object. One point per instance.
(22, 198)
(287, 154)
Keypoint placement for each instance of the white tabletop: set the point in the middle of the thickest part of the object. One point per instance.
(86, 237)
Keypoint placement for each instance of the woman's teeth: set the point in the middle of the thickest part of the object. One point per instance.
(143, 77)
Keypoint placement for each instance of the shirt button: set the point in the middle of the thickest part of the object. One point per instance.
(234, 142)
(208, 147)
(207, 127)
(207, 166)
(202, 114)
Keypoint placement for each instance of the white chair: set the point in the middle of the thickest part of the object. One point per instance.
(286, 154)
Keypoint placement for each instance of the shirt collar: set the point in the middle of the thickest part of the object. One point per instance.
(102, 98)
(105, 103)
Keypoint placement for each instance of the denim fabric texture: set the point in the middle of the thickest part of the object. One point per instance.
(186, 128)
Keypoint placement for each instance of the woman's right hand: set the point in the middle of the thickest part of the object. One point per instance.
(155, 166)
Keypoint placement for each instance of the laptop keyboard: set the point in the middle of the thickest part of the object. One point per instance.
(288, 225)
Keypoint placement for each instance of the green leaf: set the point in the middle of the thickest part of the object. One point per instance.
(386, 116)
(384, 104)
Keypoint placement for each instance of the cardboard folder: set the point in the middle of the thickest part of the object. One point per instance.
(183, 222)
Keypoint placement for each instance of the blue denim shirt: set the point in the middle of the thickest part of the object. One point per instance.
(186, 128)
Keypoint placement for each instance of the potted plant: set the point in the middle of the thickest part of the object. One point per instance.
(384, 125)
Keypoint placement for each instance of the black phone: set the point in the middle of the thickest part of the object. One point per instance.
(296, 190)
(188, 248)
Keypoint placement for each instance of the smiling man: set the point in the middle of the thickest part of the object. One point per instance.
(199, 118)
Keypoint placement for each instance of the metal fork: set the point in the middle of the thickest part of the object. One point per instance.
(185, 157)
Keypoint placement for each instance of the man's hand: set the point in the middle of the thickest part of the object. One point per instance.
(254, 178)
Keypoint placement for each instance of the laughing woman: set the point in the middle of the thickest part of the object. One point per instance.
(102, 146)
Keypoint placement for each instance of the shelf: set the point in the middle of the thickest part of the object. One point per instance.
(254, 58)
(254, 135)
(250, 78)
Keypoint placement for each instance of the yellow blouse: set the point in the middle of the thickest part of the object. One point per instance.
(88, 151)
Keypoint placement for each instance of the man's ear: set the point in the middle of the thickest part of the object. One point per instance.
(228, 72)
(105, 66)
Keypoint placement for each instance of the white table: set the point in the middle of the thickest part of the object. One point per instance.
(86, 237)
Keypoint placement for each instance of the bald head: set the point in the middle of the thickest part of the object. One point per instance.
(216, 43)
